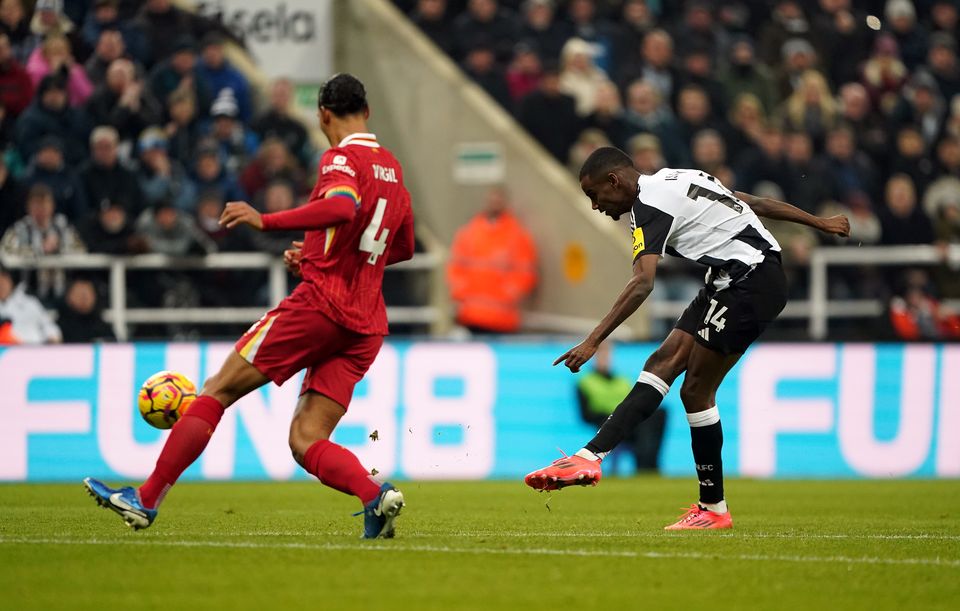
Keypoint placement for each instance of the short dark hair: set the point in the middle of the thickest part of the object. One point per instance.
(604, 159)
(343, 94)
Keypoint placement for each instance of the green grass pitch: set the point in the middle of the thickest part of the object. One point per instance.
(489, 545)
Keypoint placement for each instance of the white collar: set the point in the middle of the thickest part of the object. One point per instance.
(369, 140)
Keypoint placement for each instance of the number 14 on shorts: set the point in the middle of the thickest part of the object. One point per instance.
(714, 317)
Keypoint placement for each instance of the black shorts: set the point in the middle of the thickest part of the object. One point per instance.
(728, 321)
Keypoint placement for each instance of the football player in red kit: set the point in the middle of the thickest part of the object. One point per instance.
(358, 221)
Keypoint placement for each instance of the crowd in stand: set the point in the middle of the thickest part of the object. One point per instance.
(124, 129)
(837, 106)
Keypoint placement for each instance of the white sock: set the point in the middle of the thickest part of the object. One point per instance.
(585, 453)
(720, 507)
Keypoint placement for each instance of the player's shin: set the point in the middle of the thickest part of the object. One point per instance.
(186, 442)
(639, 405)
(339, 468)
(706, 437)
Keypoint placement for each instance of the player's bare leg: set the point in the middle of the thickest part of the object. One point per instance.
(706, 369)
(661, 369)
(337, 467)
(186, 442)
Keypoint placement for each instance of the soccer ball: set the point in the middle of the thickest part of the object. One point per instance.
(164, 397)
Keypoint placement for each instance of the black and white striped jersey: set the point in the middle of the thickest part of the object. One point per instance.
(689, 214)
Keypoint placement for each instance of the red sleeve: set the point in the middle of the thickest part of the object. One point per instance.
(401, 249)
(313, 215)
(337, 175)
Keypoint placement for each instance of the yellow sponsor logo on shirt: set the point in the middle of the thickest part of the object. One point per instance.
(637, 240)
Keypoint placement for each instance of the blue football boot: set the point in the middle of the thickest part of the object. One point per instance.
(123, 501)
(379, 514)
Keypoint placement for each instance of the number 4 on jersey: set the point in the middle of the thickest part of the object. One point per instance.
(715, 319)
(369, 242)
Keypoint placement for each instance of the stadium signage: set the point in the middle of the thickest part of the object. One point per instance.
(477, 410)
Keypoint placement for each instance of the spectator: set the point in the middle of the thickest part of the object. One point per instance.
(550, 116)
(579, 76)
(942, 204)
(646, 153)
(902, 221)
(29, 322)
(884, 74)
(948, 156)
(105, 17)
(16, 24)
(636, 21)
(492, 269)
(431, 17)
(608, 116)
(918, 315)
(694, 113)
(810, 108)
(484, 22)
(110, 47)
(921, 105)
(542, 29)
(80, 316)
(799, 56)
(658, 67)
(16, 88)
(165, 26)
(869, 128)
(273, 162)
(698, 71)
(209, 209)
(49, 168)
(11, 198)
(710, 153)
(54, 57)
(745, 75)
(942, 60)
(804, 186)
(50, 115)
(587, 142)
(480, 65)
(48, 20)
(110, 230)
(183, 129)
(864, 225)
(945, 18)
(169, 231)
(599, 392)
(911, 158)
(747, 122)
(912, 38)
(763, 162)
(841, 39)
(42, 232)
(161, 178)
(277, 122)
(699, 29)
(237, 144)
(277, 197)
(218, 74)
(178, 73)
(787, 22)
(104, 178)
(211, 176)
(850, 171)
(124, 103)
(594, 29)
(648, 112)
(523, 73)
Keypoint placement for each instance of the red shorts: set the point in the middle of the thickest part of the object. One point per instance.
(294, 336)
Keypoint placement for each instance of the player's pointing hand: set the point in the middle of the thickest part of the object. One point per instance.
(575, 357)
(240, 213)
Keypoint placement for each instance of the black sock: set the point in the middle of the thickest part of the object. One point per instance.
(642, 401)
(707, 442)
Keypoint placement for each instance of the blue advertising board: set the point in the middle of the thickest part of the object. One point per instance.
(490, 410)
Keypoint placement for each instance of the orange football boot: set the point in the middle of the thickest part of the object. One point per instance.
(563, 472)
(698, 518)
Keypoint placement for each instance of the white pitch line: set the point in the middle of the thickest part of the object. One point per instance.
(391, 547)
(622, 535)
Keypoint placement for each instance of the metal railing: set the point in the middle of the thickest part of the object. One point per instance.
(120, 316)
(817, 309)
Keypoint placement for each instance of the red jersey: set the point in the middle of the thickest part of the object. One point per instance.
(342, 266)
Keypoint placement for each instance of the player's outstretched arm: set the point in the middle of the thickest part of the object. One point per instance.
(314, 215)
(782, 211)
(631, 297)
